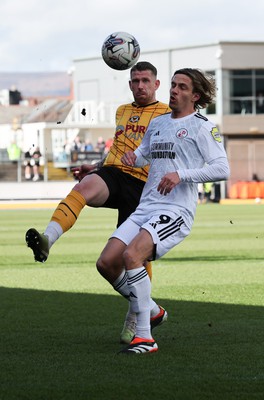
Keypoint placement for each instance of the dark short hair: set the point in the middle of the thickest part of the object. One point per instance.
(144, 66)
(203, 83)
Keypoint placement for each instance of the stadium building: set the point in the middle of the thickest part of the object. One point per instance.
(97, 90)
(238, 68)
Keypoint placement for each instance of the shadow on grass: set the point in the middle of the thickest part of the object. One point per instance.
(215, 258)
(57, 345)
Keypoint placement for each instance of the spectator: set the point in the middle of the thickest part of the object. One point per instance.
(14, 152)
(108, 144)
(100, 145)
(207, 191)
(200, 193)
(27, 164)
(77, 144)
(255, 178)
(88, 146)
(35, 162)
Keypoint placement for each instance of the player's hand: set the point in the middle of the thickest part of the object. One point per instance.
(168, 182)
(129, 158)
(80, 172)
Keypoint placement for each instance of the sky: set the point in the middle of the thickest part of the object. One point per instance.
(47, 35)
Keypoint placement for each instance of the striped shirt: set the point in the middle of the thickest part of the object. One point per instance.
(131, 125)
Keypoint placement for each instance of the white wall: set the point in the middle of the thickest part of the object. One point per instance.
(242, 55)
(94, 80)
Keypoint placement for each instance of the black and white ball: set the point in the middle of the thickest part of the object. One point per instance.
(120, 50)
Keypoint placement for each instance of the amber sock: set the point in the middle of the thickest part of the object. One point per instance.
(65, 216)
(148, 267)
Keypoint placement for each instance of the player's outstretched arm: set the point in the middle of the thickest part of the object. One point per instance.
(80, 172)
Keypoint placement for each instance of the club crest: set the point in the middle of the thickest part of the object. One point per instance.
(181, 133)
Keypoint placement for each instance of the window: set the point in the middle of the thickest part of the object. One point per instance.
(246, 91)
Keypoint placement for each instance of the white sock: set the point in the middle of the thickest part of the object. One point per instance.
(53, 232)
(154, 308)
(140, 289)
(120, 285)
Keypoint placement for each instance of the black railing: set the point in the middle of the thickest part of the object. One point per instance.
(51, 167)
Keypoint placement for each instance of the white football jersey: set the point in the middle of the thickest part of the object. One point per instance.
(191, 146)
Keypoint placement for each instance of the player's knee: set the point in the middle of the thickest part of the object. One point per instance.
(84, 186)
(101, 265)
(107, 270)
(93, 189)
(104, 265)
(130, 258)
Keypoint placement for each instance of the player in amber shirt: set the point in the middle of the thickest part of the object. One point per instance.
(112, 185)
(132, 121)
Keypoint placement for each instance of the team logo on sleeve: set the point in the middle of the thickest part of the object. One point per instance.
(216, 135)
(181, 133)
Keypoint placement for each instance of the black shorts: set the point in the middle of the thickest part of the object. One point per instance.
(125, 191)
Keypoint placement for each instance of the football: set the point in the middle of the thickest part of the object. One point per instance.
(120, 50)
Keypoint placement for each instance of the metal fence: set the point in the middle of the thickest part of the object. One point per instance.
(51, 168)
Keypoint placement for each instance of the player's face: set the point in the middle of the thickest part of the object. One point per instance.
(182, 97)
(143, 85)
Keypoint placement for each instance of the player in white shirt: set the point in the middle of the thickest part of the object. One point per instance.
(183, 149)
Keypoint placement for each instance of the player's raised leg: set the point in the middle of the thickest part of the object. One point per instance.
(92, 190)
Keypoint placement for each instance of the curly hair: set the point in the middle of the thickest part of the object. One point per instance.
(203, 83)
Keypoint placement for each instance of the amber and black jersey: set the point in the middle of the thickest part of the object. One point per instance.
(131, 125)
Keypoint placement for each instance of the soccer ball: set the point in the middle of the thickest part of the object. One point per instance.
(120, 50)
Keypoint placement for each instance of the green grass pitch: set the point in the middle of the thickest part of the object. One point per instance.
(60, 321)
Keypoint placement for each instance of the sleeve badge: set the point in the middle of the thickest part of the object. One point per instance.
(216, 135)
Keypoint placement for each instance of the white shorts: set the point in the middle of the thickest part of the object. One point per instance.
(166, 230)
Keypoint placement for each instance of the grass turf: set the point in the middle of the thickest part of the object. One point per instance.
(60, 321)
